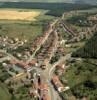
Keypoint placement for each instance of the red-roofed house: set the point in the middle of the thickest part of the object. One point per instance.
(57, 84)
(33, 63)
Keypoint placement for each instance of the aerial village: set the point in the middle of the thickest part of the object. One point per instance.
(31, 65)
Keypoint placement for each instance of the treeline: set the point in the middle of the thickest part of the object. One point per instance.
(89, 50)
(56, 9)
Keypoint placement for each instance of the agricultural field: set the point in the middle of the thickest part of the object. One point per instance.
(23, 23)
(8, 14)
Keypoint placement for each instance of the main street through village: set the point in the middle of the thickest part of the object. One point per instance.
(46, 74)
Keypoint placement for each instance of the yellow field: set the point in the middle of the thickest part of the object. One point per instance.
(9, 14)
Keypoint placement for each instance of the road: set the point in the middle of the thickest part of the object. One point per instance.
(69, 31)
(47, 75)
(51, 71)
(62, 59)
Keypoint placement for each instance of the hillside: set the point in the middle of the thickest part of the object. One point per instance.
(55, 9)
(94, 2)
(55, 1)
(65, 1)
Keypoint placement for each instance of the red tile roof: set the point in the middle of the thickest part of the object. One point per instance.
(13, 61)
(45, 62)
(22, 64)
(60, 66)
(46, 97)
(44, 87)
(33, 62)
(57, 82)
(55, 79)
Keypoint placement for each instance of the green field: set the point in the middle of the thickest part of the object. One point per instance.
(4, 94)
